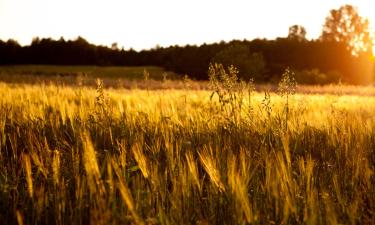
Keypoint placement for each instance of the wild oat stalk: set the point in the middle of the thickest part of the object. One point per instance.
(287, 87)
(229, 89)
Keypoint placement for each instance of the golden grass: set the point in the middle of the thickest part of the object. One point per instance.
(68, 156)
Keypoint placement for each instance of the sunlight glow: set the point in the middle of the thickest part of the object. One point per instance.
(147, 23)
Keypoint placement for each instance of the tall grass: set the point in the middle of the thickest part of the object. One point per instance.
(77, 155)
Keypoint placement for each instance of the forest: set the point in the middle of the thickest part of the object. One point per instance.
(318, 62)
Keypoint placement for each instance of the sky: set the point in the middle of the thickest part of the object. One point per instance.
(144, 24)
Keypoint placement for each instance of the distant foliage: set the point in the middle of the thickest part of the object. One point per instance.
(250, 65)
(315, 76)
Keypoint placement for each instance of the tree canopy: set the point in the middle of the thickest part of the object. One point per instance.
(297, 32)
(347, 26)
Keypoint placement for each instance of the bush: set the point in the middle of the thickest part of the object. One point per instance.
(314, 76)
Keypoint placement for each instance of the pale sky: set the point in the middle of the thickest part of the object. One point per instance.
(142, 24)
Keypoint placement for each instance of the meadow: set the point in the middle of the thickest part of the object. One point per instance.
(113, 76)
(225, 155)
(89, 71)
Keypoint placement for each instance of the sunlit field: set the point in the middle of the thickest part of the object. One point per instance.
(83, 155)
(144, 113)
(84, 75)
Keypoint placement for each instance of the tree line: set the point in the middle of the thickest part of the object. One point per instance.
(342, 53)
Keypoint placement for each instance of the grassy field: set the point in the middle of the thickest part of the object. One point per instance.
(131, 73)
(119, 77)
(80, 155)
